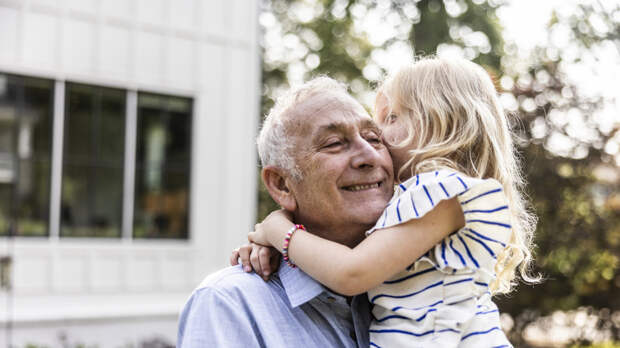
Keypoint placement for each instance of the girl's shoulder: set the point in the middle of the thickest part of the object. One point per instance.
(485, 206)
(421, 193)
(460, 181)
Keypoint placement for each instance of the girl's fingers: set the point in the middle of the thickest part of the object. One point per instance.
(254, 260)
(244, 254)
(275, 260)
(264, 254)
(234, 257)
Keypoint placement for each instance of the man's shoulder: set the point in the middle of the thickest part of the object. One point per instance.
(232, 281)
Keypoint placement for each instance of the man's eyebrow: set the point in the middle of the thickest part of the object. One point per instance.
(334, 127)
(340, 127)
(369, 124)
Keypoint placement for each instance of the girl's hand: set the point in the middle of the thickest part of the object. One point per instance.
(263, 260)
(272, 230)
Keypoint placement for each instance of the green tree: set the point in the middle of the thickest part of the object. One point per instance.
(571, 158)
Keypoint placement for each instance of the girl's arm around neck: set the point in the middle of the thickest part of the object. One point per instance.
(378, 257)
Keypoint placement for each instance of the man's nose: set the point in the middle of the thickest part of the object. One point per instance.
(366, 155)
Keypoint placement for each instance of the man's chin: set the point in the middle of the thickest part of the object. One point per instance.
(371, 214)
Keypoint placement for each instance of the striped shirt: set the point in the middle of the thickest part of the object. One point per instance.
(442, 299)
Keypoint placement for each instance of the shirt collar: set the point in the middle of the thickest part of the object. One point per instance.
(298, 286)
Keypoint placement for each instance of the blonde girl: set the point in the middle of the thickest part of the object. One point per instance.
(460, 190)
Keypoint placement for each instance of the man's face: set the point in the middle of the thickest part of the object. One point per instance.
(347, 171)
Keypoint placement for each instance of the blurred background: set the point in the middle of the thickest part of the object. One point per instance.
(128, 168)
(557, 68)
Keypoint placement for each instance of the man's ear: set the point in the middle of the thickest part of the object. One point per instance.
(277, 184)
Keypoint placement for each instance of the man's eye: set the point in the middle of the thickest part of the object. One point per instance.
(373, 139)
(333, 144)
(372, 136)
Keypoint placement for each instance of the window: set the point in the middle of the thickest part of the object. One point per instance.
(25, 156)
(92, 171)
(92, 201)
(162, 166)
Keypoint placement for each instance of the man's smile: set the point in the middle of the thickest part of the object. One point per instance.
(363, 187)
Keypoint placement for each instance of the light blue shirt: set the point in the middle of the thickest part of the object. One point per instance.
(231, 308)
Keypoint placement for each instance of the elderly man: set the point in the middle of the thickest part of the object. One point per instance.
(323, 160)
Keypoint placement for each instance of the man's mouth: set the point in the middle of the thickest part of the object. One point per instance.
(355, 188)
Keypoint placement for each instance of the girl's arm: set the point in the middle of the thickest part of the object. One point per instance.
(376, 259)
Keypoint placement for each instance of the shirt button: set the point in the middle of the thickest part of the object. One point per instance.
(331, 298)
(352, 335)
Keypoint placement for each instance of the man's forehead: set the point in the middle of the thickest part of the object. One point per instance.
(348, 122)
(324, 112)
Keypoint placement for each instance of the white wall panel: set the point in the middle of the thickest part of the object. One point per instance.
(32, 273)
(78, 46)
(40, 44)
(215, 17)
(114, 50)
(240, 111)
(208, 225)
(117, 8)
(106, 273)
(180, 61)
(8, 34)
(241, 20)
(141, 273)
(70, 271)
(151, 12)
(83, 6)
(182, 15)
(149, 58)
(213, 71)
(46, 3)
(175, 272)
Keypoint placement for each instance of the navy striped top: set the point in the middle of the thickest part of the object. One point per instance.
(443, 299)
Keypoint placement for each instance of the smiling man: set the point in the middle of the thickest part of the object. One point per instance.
(324, 161)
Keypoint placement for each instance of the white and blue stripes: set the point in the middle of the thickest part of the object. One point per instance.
(443, 297)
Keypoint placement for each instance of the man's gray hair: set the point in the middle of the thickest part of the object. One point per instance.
(275, 141)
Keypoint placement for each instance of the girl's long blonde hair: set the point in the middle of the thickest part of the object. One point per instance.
(455, 121)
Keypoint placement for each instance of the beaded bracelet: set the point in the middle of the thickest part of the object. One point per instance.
(287, 240)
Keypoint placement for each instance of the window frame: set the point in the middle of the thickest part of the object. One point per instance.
(58, 107)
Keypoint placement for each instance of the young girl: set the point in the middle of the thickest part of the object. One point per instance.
(452, 149)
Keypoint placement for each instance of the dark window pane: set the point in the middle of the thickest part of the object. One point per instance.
(78, 134)
(91, 201)
(38, 108)
(25, 151)
(162, 166)
(112, 114)
(33, 189)
(5, 209)
(94, 141)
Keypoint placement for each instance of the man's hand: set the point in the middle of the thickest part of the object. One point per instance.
(263, 260)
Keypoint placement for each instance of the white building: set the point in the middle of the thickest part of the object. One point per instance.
(127, 161)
